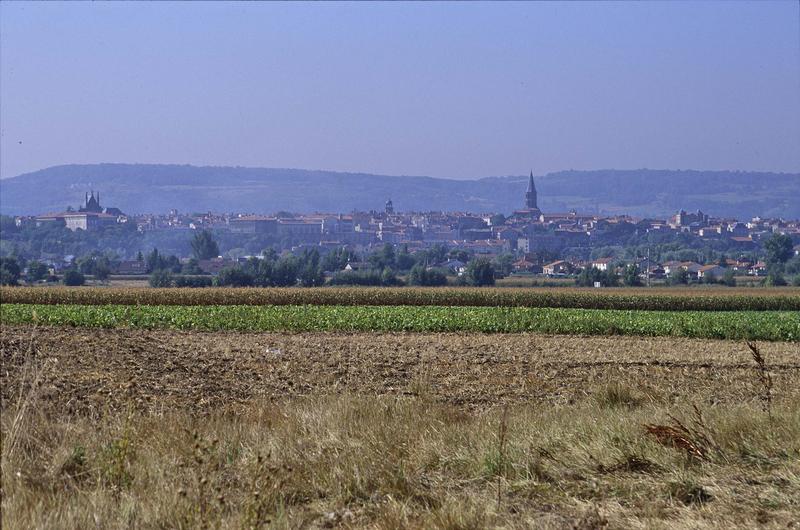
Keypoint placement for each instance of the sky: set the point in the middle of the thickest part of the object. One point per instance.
(456, 90)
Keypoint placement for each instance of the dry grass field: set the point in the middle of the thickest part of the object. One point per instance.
(133, 428)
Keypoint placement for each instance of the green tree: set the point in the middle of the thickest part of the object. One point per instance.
(156, 261)
(779, 251)
(420, 275)
(389, 278)
(102, 270)
(161, 278)
(729, 278)
(631, 277)
(285, 272)
(679, 277)
(74, 277)
(36, 271)
(233, 277)
(9, 271)
(459, 254)
(261, 270)
(383, 258)
(774, 279)
(86, 264)
(311, 274)
(504, 263)
(153, 261)
(191, 267)
(480, 272)
(792, 266)
(404, 260)
(437, 253)
(592, 275)
(366, 278)
(204, 246)
(588, 276)
(610, 278)
(337, 259)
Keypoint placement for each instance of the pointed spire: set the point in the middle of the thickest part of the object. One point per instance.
(530, 195)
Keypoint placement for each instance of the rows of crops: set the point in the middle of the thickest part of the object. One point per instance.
(772, 326)
(662, 300)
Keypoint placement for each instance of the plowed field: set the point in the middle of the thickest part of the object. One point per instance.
(88, 369)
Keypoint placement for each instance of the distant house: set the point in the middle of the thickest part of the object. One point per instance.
(671, 266)
(743, 242)
(689, 266)
(356, 266)
(525, 265)
(557, 267)
(454, 265)
(602, 263)
(759, 269)
(741, 266)
(710, 271)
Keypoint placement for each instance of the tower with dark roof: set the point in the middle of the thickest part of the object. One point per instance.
(530, 195)
(92, 204)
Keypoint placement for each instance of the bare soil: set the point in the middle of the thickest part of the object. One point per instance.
(94, 371)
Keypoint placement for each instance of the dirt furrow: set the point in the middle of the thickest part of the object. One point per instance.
(91, 371)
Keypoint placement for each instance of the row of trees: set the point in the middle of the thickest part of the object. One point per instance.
(11, 273)
(631, 277)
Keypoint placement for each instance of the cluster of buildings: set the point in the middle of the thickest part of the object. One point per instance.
(528, 233)
(91, 216)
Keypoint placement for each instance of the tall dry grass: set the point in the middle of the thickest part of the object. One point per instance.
(389, 462)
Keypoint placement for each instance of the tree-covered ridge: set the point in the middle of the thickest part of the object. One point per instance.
(138, 188)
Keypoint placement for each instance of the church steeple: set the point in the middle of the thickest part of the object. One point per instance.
(92, 203)
(530, 195)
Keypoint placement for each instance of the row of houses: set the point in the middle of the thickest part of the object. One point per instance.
(695, 270)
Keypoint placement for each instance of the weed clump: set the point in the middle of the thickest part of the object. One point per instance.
(617, 395)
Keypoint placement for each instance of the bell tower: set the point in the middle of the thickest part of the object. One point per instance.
(530, 195)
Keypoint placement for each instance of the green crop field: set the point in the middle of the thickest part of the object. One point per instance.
(754, 325)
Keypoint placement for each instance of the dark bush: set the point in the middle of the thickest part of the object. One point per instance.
(74, 277)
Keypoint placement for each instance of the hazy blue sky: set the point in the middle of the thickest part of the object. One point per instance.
(451, 89)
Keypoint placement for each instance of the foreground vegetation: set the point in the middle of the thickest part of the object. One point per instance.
(393, 462)
(694, 299)
(167, 429)
(751, 325)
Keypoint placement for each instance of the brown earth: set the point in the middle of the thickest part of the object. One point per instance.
(92, 371)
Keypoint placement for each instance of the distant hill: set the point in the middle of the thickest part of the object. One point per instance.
(141, 188)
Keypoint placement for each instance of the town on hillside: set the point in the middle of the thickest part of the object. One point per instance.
(527, 241)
